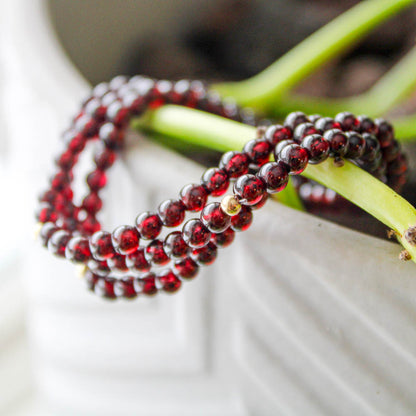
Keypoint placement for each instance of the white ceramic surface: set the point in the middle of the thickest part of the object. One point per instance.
(298, 317)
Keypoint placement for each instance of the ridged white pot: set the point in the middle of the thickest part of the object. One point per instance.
(298, 317)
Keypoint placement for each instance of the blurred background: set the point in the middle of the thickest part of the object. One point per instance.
(212, 40)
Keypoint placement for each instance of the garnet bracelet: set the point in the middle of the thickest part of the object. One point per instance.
(133, 259)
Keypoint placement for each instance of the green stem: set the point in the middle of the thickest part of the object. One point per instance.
(263, 90)
(395, 85)
(405, 128)
(350, 181)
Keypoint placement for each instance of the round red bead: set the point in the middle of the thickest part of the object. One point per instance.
(205, 255)
(216, 181)
(92, 203)
(117, 263)
(214, 218)
(295, 157)
(101, 245)
(136, 262)
(234, 163)
(148, 285)
(242, 220)
(275, 175)
(155, 253)
(175, 246)
(78, 250)
(186, 268)
(258, 150)
(172, 212)
(317, 147)
(169, 281)
(125, 239)
(276, 134)
(194, 197)
(58, 241)
(149, 225)
(250, 189)
(195, 233)
(125, 288)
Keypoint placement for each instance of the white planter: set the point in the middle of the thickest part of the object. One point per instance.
(298, 317)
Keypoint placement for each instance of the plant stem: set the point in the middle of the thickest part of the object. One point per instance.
(395, 85)
(263, 91)
(350, 181)
(405, 128)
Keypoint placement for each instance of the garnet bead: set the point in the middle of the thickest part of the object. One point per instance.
(136, 261)
(294, 119)
(366, 125)
(186, 268)
(295, 157)
(223, 239)
(214, 218)
(347, 121)
(195, 233)
(89, 226)
(117, 263)
(104, 287)
(46, 213)
(125, 288)
(125, 239)
(155, 254)
(249, 189)
(112, 136)
(46, 232)
(338, 142)
(58, 241)
(175, 246)
(216, 181)
(234, 163)
(169, 281)
(276, 134)
(78, 249)
(242, 220)
(205, 255)
(148, 285)
(317, 147)
(92, 203)
(258, 151)
(171, 212)
(385, 132)
(99, 268)
(104, 158)
(356, 145)
(149, 225)
(372, 147)
(303, 130)
(326, 123)
(101, 245)
(96, 180)
(194, 197)
(275, 175)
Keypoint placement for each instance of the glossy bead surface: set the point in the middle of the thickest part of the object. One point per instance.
(242, 220)
(317, 147)
(275, 175)
(104, 287)
(46, 213)
(101, 245)
(214, 218)
(186, 268)
(250, 189)
(112, 136)
(205, 255)
(155, 254)
(356, 145)
(78, 250)
(125, 239)
(96, 180)
(372, 147)
(338, 142)
(46, 232)
(117, 263)
(258, 151)
(136, 261)
(347, 121)
(175, 246)
(303, 130)
(295, 157)
(277, 133)
(366, 125)
(171, 212)
(194, 197)
(216, 181)
(148, 285)
(125, 288)
(58, 241)
(385, 132)
(326, 123)
(104, 157)
(223, 239)
(149, 225)
(169, 281)
(92, 203)
(195, 233)
(295, 118)
(234, 163)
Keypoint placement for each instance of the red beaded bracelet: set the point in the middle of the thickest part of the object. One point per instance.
(131, 260)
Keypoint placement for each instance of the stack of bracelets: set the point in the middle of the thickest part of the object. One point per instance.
(132, 260)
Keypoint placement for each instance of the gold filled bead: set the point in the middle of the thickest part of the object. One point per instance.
(230, 205)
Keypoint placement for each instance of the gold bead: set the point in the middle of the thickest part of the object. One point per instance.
(80, 270)
(230, 205)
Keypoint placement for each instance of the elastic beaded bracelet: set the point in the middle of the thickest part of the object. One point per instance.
(120, 264)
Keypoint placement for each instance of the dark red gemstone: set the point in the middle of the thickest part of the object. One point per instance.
(261, 203)
(242, 220)
(95, 109)
(295, 157)
(58, 241)
(214, 218)
(100, 90)
(155, 254)
(101, 245)
(46, 213)
(275, 175)
(223, 239)
(92, 203)
(338, 142)
(385, 132)
(117, 263)
(61, 180)
(49, 196)
(347, 121)
(117, 82)
(205, 255)
(195, 233)
(356, 145)
(367, 125)
(372, 147)
(277, 133)
(398, 166)
(99, 268)
(104, 158)
(303, 130)
(112, 136)
(125, 288)
(137, 262)
(175, 246)
(66, 160)
(294, 119)
(91, 280)
(96, 180)
(149, 225)
(171, 212)
(194, 197)
(104, 287)
(317, 147)
(89, 226)
(78, 249)
(186, 268)
(125, 239)
(46, 232)
(216, 181)
(250, 189)
(86, 125)
(135, 103)
(234, 163)
(169, 281)
(258, 151)
(118, 114)
(326, 123)
(390, 152)
(148, 285)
